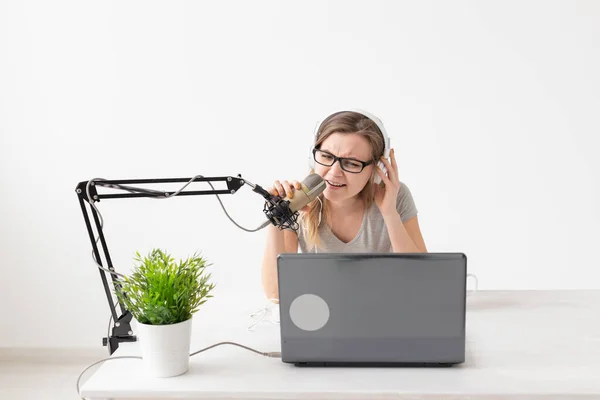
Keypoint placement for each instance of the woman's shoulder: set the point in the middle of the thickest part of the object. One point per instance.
(403, 186)
(403, 191)
(405, 203)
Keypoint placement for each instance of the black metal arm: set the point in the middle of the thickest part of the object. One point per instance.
(121, 329)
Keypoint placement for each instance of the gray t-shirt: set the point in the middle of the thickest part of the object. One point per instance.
(372, 237)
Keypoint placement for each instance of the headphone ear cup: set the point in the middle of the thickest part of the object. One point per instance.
(315, 135)
(311, 160)
(377, 178)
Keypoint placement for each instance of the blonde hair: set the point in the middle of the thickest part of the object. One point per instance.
(347, 122)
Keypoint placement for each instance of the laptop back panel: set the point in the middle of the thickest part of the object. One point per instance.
(372, 308)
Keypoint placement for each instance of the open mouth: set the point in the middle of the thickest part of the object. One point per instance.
(335, 184)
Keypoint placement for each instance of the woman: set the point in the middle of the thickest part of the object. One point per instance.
(354, 213)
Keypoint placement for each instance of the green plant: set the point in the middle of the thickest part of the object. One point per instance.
(162, 291)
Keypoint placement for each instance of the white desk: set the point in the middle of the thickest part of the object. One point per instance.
(520, 345)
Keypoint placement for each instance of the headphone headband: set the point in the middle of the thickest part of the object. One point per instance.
(364, 113)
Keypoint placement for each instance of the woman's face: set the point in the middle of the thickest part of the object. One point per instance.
(350, 146)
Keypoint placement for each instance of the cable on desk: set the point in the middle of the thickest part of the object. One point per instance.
(98, 362)
(271, 354)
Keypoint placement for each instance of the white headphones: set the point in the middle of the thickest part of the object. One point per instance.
(377, 121)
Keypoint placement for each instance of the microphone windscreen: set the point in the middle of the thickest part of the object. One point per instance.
(313, 185)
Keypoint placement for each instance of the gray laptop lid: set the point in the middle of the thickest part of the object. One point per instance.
(372, 308)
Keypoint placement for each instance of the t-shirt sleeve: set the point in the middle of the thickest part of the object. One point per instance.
(405, 205)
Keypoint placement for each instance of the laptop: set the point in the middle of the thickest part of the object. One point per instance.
(363, 309)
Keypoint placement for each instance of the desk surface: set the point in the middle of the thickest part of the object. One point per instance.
(520, 344)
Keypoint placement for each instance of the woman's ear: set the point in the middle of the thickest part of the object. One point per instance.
(374, 174)
(370, 185)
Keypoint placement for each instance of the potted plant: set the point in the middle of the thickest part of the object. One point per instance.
(162, 296)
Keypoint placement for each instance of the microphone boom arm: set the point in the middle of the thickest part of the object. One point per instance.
(121, 329)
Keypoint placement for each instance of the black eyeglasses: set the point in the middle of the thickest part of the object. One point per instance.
(351, 165)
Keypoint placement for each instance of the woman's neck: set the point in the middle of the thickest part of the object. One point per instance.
(346, 207)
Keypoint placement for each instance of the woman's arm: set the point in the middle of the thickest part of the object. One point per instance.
(405, 236)
(395, 198)
(277, 242)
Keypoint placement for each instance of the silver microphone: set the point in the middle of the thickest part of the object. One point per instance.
(283, 213)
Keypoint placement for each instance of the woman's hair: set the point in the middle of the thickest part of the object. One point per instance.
(347, 122)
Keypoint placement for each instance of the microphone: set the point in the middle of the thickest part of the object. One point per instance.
(283, 213)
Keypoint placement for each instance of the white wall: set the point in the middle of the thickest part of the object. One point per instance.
(492, 108)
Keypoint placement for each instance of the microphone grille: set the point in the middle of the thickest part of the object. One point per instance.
(312, 181)
(315, 184)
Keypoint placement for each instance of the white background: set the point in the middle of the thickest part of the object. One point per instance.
(492, 108)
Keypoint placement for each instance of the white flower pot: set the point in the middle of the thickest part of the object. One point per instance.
(165, 348)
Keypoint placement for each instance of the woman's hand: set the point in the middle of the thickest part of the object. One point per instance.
(286, 189)
(385, 197)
